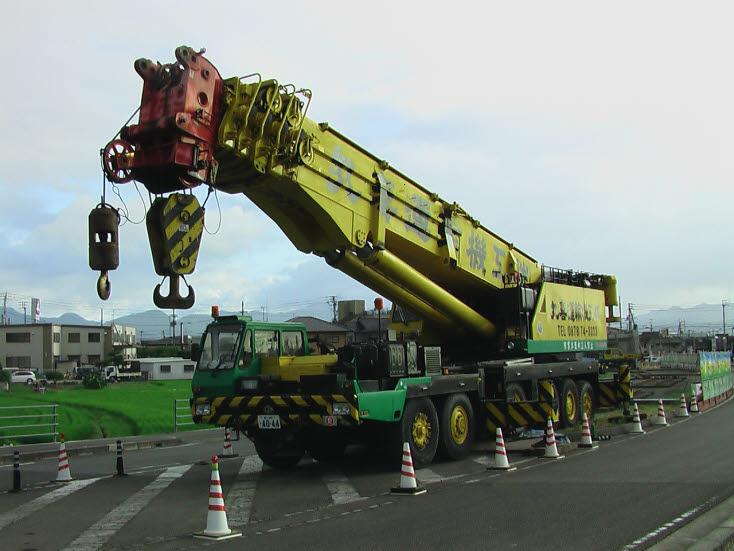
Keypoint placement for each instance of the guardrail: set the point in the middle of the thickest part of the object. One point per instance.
(17, 429)
(177, 415)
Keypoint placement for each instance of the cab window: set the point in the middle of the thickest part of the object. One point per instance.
(266, 343)
(293, 343)
(246, 356)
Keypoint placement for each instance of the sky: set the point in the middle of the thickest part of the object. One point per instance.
(594, 136)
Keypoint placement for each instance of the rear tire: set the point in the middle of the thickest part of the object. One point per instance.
(325, 445)
(456, 426)
(586, 399)
(568, 404)
(515, 393)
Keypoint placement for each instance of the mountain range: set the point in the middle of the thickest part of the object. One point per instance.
(156, 324)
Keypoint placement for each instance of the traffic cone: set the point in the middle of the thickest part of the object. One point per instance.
(682, 410)
(63, 474)
(551, 450)
(500, 454)
(694, 403)
(660, 419)
(636, 425)
(408, 484)
(586, 441)
(216, 518)
(227, 450)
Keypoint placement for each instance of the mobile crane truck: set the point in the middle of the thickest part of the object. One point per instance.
(481, 335)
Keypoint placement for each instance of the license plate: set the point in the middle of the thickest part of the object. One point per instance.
(268, 421)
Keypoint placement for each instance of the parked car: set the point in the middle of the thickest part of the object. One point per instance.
(81, 372)
(20, 376)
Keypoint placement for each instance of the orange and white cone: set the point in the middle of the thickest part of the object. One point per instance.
(227, 450)
(216, 518)
(408, 483)
(683, 409)
(551, 450)
(636, 424)
(694, 403)
(586, 441)
(660, 419)
(64, 473)
(500, 454)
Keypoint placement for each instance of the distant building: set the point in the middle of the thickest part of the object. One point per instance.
(165, 369)
(322, 335)
(48, 346)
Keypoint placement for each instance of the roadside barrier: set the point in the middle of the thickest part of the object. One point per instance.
(216, 519)
(408, 483)
(636, 425)
(120, 465)
(660, 419)
(16, 471)
(683, 409)
(551, 450)
(177, 415)
(500, 454)
(19, 431)
(64, 473)
(586, 441)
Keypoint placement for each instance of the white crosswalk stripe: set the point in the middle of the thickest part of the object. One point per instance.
(341, 489)
(102, 530)
(242, 492)
(40, 502)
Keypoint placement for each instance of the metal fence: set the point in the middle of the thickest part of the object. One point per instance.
(177, 415)
(19, 431)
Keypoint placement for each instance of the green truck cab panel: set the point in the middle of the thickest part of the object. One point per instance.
(385, 405)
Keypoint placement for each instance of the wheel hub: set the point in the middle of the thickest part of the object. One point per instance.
(570, 406)
(459, 425)
(421, 430)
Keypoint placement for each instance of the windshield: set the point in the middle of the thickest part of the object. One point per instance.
(220, 347)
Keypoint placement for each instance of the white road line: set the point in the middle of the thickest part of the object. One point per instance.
(40, 502)
(102, 530)
(340, 489)
(240, 496)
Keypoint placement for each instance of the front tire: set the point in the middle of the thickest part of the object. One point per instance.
(456, 427)
(275, 452)
(419, 427)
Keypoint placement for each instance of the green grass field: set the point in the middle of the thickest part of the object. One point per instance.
(121, 409)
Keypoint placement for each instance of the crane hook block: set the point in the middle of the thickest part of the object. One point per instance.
(104, 246)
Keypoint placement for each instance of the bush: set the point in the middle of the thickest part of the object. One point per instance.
(54, 375)
(93, 381)
(4, 376)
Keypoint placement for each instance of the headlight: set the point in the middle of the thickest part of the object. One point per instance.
(203, 409)
(341, 408)
(248, 384)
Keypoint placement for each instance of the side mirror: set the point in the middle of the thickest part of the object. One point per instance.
(195, 352)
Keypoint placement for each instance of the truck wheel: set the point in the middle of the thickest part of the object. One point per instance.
(419, 427)
(586, 399)
(456, 427)
(325, 447)
(515, 393)
(568, 405)
(276, 452)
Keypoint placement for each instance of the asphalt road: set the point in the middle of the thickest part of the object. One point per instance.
(631, 492)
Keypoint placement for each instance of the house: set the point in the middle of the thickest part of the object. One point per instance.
(49, 346)
(322, 335)
(165, 369)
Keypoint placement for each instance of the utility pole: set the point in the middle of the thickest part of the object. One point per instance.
(331, 301)
(173, 325)
(24, 305)
(243, 307)
(5, 305)
(723, 316)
